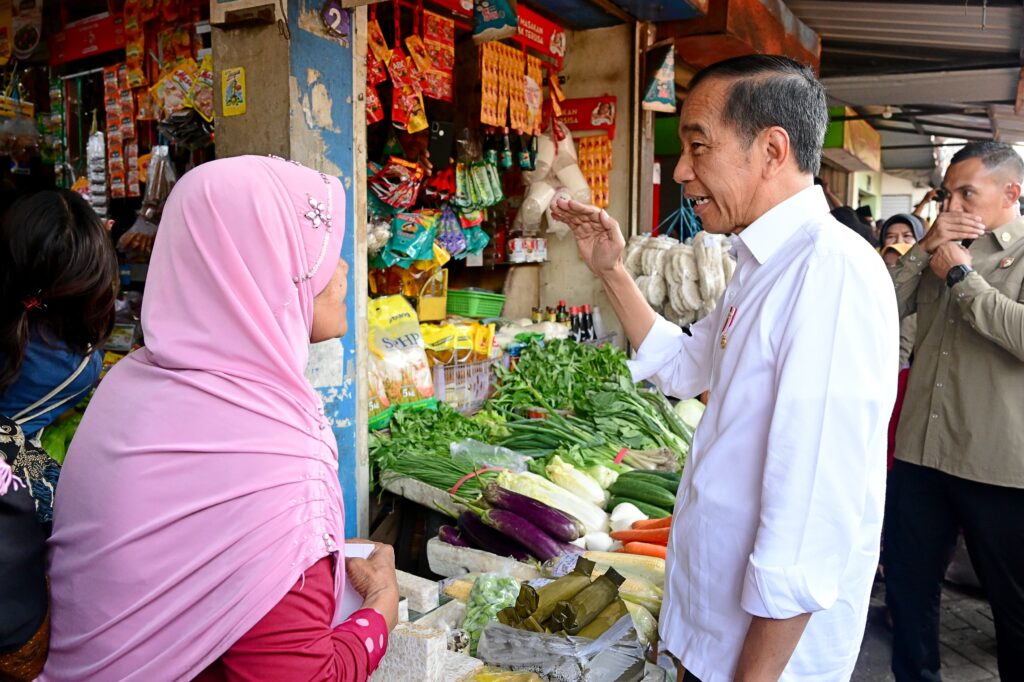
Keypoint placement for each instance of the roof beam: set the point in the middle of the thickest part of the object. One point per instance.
(941, 87)
(613, 10)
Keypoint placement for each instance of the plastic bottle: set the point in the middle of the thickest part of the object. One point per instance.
(505, 157)
(597, 323)
(587, 324)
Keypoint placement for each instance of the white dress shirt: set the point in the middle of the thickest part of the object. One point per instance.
(780, 508)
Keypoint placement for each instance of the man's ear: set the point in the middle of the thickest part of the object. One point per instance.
(1011, 193)
(777, 150)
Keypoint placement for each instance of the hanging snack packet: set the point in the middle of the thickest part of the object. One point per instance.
(463, 187)
(476, 241)
(201, 96)
(412, 237)
(494, 20)
(378, 46)
(397, 345)
(376, 70)
(418, 53)
(397, 184)
(449, 232)
(481, 181)
(374, 108)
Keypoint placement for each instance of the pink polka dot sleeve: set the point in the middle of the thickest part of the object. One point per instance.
(370, 630)
(295, 640)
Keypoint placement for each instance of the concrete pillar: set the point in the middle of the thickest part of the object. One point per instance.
(304, 89)
(598, 62)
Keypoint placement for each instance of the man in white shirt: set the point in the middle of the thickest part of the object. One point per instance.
(776, 533)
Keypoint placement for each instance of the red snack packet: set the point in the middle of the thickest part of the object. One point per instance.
(374, 108)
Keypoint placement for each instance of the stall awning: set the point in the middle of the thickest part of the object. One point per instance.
(739, 27)
(922, 70)
(584, 14)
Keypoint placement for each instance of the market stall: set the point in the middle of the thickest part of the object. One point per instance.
(568, 469)
(511, 455)
(112, 99)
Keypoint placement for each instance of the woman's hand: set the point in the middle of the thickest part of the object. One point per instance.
(375, 579)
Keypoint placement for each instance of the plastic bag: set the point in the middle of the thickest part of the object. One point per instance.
(557, 227)
(616, 655)
(491, 593)
(397, 352)
(481, 454)
(494, 20)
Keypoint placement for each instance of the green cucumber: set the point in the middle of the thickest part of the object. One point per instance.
(649, 509)
(674, 476)
(645, 477)
(643, 490)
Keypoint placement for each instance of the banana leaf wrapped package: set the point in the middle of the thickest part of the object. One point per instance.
(575, 614)
(607, 618)
(541, 602)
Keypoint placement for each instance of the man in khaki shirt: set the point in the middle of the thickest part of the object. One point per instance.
(960, 442)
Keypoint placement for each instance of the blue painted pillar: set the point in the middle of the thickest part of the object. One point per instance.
(322, 78)
(304, 90)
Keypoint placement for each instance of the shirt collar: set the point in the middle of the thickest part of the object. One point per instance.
(767, 234)
(1008, 234)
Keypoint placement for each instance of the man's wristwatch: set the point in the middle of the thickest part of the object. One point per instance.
(956, 274)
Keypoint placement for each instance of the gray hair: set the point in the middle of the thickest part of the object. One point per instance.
(771, 90)
(993, 155)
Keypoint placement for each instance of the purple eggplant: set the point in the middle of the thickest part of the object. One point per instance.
(451, 536)
(539, 543)
(554, 522)
(486, 538)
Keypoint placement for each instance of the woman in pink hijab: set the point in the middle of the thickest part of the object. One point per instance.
(198, 525)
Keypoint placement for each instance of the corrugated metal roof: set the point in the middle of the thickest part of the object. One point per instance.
(943, 87)
(948, 26)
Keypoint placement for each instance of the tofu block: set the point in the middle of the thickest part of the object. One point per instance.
(415, 654)
(421, 593)
(460, 667)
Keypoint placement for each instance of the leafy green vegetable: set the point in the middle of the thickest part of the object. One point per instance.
(418, 447)
(557, 373)
(690, 411)
(56, 438)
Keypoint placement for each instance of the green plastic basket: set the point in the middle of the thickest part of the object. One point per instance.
(470, 303)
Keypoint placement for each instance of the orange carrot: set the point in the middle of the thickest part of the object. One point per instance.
(645, 549)
(648, 524)
(658, 536)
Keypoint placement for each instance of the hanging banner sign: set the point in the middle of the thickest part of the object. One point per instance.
(590, 114)
(661, 94)
(541, 34)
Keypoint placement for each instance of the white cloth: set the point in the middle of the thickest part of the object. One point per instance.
(780, 508)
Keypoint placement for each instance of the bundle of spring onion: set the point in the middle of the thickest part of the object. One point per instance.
(418, 447)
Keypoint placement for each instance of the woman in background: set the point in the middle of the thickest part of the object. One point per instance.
(57, 276)
(902, 228)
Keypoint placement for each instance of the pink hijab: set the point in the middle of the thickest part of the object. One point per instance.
(203, 480)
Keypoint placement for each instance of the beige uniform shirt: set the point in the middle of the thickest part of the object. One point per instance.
(964, 409)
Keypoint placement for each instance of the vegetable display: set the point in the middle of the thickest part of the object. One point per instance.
(558, 524)
(593, 518)
(490, 594)
(482, 536)
(602, 459)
